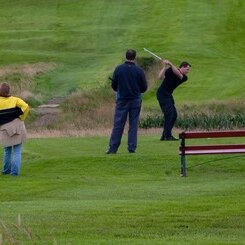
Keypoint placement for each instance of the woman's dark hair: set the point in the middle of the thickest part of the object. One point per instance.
(184, 64)
(130, 54)
(4, 89)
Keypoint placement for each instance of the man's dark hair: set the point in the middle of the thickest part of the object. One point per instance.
(130, 54)
(4, 90)
(184, 64)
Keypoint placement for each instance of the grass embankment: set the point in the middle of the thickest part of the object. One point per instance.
(80, 43)
(87, 39)
(71, 192)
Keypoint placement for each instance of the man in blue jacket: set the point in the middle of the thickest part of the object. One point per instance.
(129, 82)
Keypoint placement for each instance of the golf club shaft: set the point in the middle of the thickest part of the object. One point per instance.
(156, 56)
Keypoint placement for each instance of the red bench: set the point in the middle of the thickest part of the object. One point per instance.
(185, 150)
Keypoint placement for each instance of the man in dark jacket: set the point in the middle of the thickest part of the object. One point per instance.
(172, 77)
(129, 82)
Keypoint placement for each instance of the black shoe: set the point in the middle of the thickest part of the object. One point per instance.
(4, 173)
(162, 138)
(171, 138)
(131, 151)
(111, 152)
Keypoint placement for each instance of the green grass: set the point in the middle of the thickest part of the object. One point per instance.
(71, 192)
(88, 39)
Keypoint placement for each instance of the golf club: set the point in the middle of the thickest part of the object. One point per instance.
(156, 56)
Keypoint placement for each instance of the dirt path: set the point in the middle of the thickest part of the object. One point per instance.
(47, 113)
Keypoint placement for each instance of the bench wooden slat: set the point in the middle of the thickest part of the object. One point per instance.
(211, 149)
(211, 134)
(203, 152)
(214, 151)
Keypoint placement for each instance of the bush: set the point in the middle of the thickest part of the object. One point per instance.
(214, 115)
(146, 62)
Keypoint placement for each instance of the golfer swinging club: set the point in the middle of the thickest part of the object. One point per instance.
(172, 77)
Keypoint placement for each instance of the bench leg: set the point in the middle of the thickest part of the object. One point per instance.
(183, 166)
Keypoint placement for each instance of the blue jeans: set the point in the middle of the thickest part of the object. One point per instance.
(124, 109)
(12, 160)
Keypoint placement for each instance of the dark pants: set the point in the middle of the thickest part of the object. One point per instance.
(124, 109)
(170, 115)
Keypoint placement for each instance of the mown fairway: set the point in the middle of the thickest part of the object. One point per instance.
(71, 192)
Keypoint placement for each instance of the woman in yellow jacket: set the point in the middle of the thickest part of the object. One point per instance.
(13, 112)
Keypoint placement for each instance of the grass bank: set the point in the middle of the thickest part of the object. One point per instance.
(62, 48)
(87, 39)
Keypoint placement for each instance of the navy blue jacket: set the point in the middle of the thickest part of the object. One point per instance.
(129, 81)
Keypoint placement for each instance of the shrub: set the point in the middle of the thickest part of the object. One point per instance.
(146, 62)
(214, 115)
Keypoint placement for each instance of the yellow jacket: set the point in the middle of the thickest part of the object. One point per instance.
(11, 102)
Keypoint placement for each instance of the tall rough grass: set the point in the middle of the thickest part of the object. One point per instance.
(22, 79)
(213, 115)
(9, 232)
(87, 109)
(94, 108)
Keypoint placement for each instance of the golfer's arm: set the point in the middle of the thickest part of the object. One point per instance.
(162, 73)
(176, 71)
